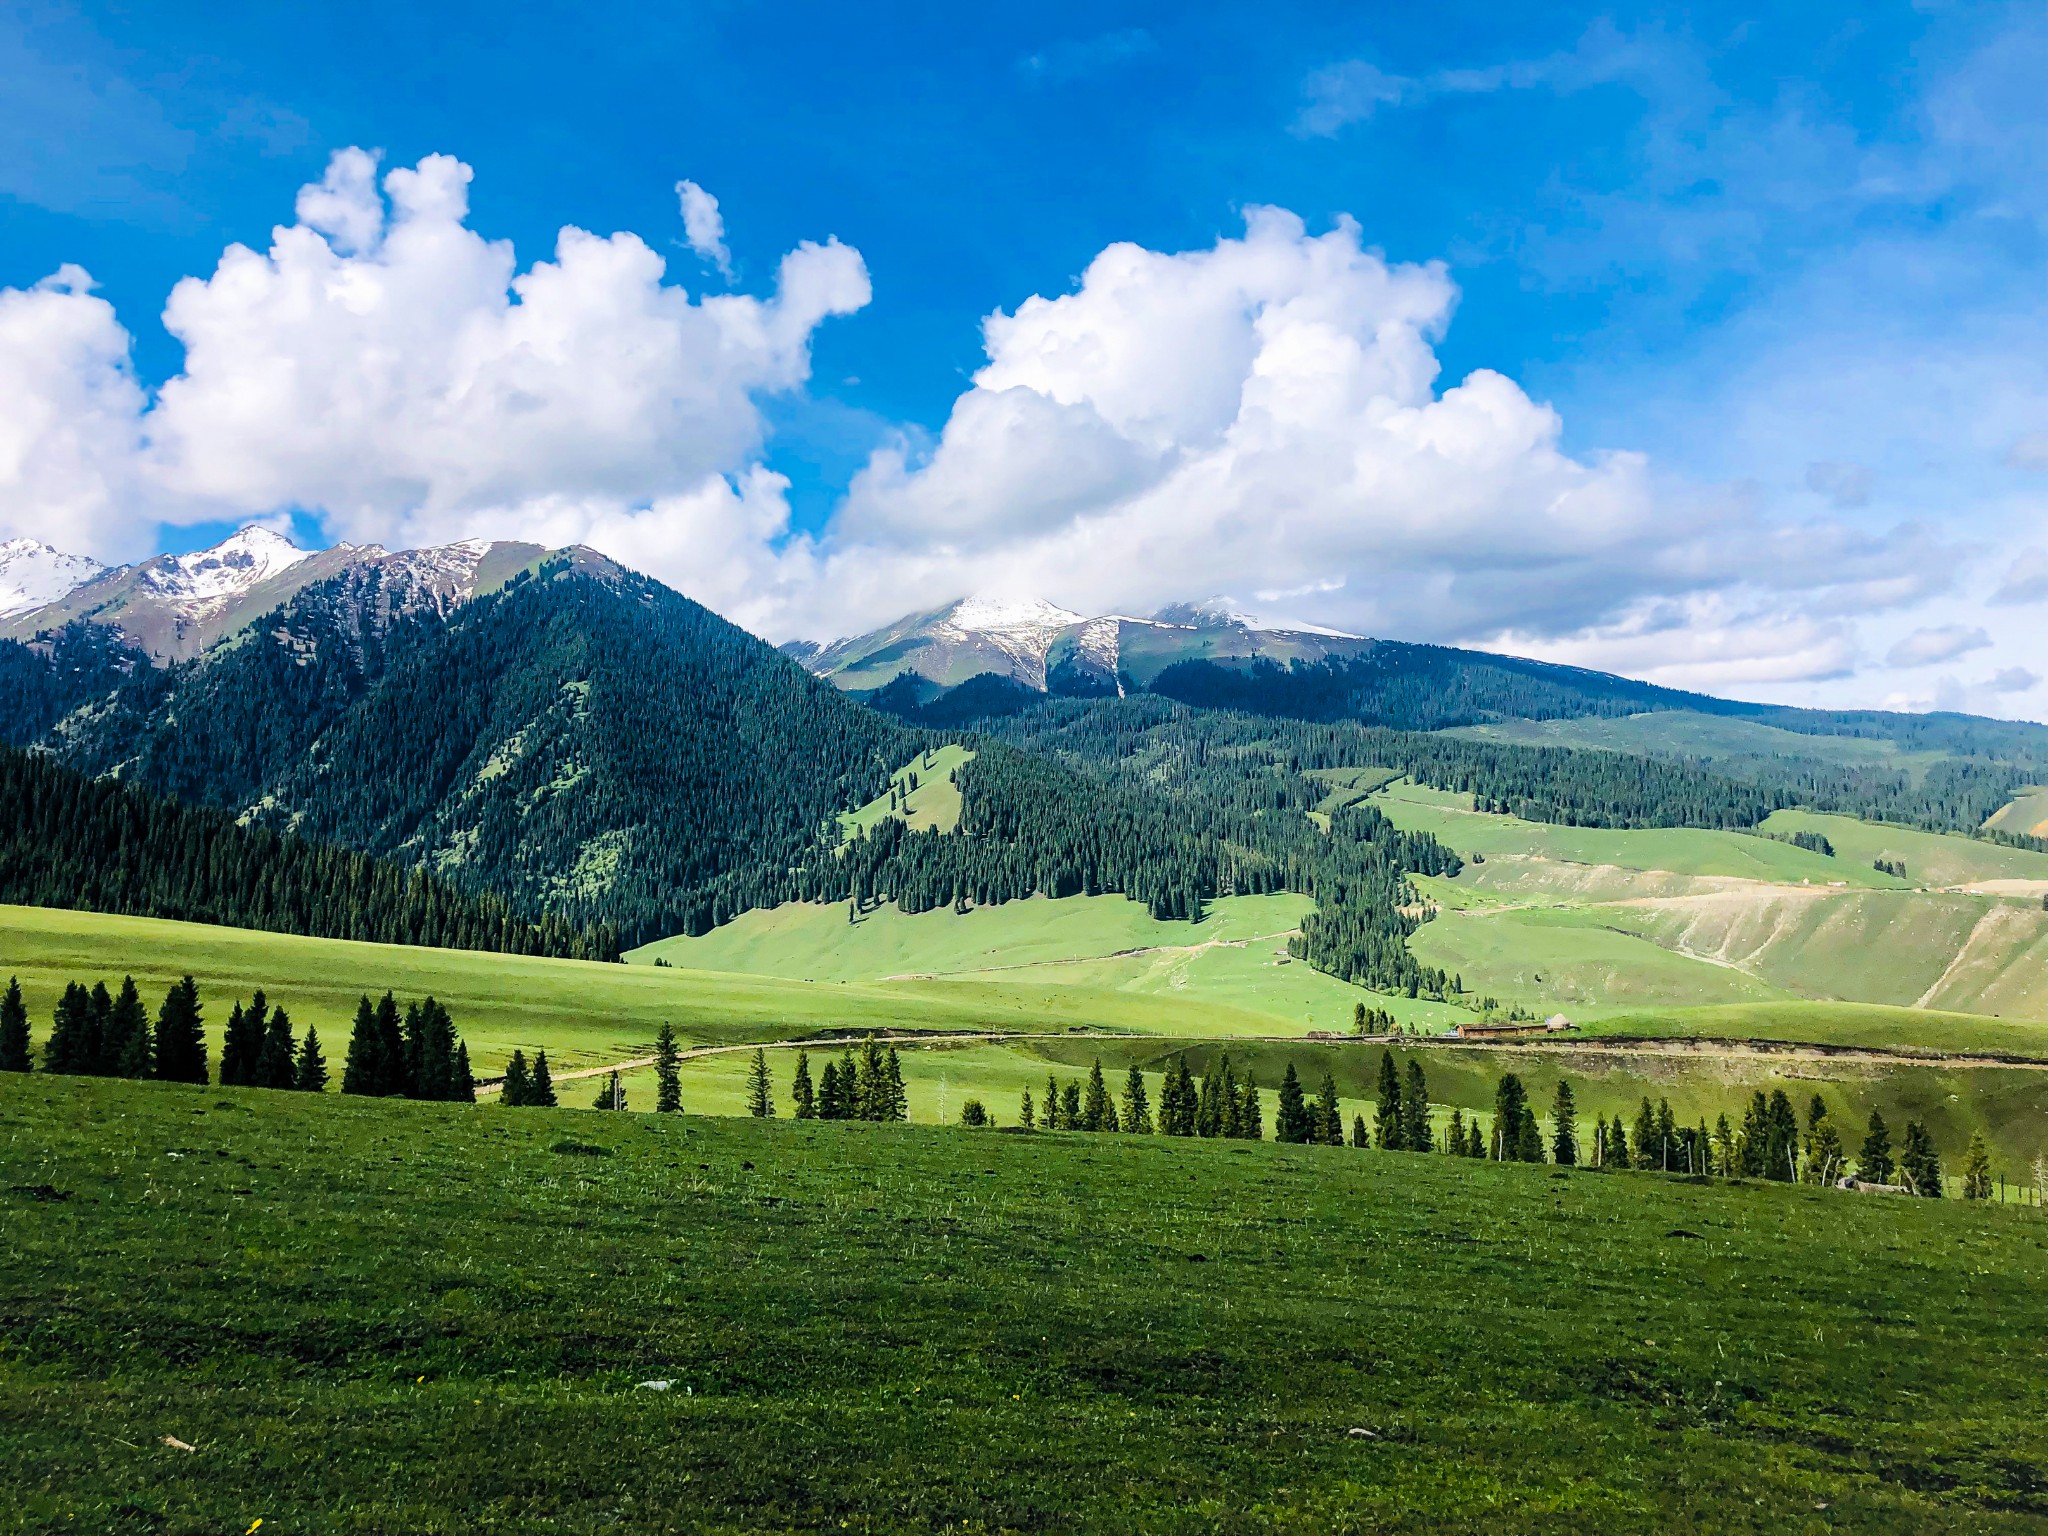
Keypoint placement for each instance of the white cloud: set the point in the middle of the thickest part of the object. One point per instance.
(1927, 647)
(1264, 416)
(2013, 680)
(69, 421)
(2025, 580)
(703, 226)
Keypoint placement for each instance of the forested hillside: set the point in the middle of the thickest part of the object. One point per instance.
(102, 846)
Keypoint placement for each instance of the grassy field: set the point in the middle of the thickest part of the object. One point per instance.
(1931, 858)
(933, 804)
(2026, 812)
(377, 1317)
(1684, 733)
(1227, 974)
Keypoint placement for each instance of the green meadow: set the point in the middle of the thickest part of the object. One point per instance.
(221, 1308)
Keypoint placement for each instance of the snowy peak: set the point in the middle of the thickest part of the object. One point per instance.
(32, 574)
(208, 580)
(1002, 616)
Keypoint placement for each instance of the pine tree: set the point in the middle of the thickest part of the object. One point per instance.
(1724, 1147)
(1667, 1135)
(1977, 1169)
(612, 1095)
(517, 1091)
(1070, 1106)
(1416, 1135)
(13, 1029)
(1251, 1113)
(1564, 1128)
(72, 1046)
(1648, 1153)
(394, 1072)
(102, 1020)
(1209, 1105)
(1874, 1163)
(180, 1046)
(362, 1070)
(1826, 1157)
(464, 1088)
(309, 1074)
(668, 1084)
(760, 1089)
(1387, 1127)
(1617, 1146)
(1328, 1115)
(1360, 1136)
(540, 1089)
(1919, 1164)
(1291, 1121)
(830, 1104)
(243, 1047)
(1781, 1155)
(801, 1095)
(1528, 1138)
(896, 1100)
(277, 1056)
(1510, 1109)
(125, 1051)
(1358, 1018)
(1137, 1108)
(1052, 1104)
(1229, 1102)
(1027, 1114)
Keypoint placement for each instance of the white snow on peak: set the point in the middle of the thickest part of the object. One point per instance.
(1001, 616)
(1293, 627)
(210, 577)
(33, 574)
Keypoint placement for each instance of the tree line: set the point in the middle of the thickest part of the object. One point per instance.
(100, 845)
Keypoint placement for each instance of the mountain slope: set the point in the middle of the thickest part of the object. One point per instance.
(584, 739)
(32, 574)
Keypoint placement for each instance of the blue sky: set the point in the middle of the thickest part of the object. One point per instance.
(1793, 257)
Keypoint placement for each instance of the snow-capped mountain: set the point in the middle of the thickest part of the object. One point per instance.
(174, 606)
(1049, 648)
(33, 574)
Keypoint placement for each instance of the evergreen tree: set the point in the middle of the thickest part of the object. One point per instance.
(896, 1098)
(102, 1019)
(13, 1029)
(1387, 1126)
(1137, 1107)
(1209, 1105)
(1564, 1128)
(871, 1091)
(1781, 1155)
(1454, 1139)
(72, 1046)
(801, 1095)
(830, 1105)
(309, 1073)
(1649, 1152)
(612, 1095)
(125, 1050)
(974, 1113)
(1360, 1136)
(277, 1056)
(668, 1084)
(1229, 1102)
(1328, 1116)
(760, 1089)
(1752, 1145)
(1510, 1109)
(242, 1049)
(1874, 1163)
(361, 1071)
(1070, 1106)
(1529, 1138)
(1977, 1169)
(1052, 1104)
(1919, 1164)
(180, 1036)
(1826, 1157)
(517, 1091)
(1618, 1155)
(1668, 1154)
(464, 1086)
(394, 1072)
(1291, 1121)
(540, 1089)
(1251, 1113)
(1416, 1135)
(1724, 1147)
(1027, 1113)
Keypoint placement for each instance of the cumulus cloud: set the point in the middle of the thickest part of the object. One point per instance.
(703, 226)
(1265, 416)
(70, 412)
(1944, 642)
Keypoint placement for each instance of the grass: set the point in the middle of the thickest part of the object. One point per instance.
(1684, 733)
(1931, 858)
(934, 804)
(373, 1317)
(2026, 813)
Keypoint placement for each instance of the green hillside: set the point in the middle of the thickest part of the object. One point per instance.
(933, 800)
(1689, 733)
(383, 1316)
